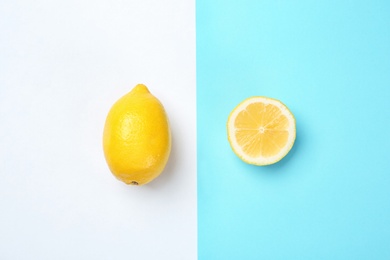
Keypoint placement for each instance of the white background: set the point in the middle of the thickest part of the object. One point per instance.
(63, 63)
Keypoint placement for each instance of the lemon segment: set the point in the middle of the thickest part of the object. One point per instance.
(261, 130)
(137, 137)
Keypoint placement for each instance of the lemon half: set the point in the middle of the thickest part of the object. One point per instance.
(261, 130)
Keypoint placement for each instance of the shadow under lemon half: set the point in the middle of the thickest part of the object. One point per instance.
(137, 137)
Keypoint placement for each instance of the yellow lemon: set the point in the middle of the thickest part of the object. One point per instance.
(137, 137)
(261, 130)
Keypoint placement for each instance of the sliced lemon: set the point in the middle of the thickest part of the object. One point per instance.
(261, 130)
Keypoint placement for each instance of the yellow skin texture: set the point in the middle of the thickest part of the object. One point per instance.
(137, 137)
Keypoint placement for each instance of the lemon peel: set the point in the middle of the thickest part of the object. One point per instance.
(137, 137)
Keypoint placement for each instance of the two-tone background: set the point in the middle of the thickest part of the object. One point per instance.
(64, 63)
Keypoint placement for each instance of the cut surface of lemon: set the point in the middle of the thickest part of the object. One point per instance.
(261, 130)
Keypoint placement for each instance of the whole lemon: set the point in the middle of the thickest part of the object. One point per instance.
(137, 137)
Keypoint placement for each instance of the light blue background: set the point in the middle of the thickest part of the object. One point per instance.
(329, 61)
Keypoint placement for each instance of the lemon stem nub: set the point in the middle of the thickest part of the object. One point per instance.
(133, 183)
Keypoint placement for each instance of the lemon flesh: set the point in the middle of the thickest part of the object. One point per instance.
(261, 130)
(137, 137)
